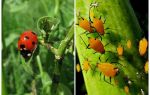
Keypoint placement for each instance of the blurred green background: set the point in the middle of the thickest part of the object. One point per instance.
(25, 79)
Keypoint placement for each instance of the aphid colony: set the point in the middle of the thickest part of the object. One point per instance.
(96, 25)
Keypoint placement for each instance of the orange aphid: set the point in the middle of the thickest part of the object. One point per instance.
(78, 68)
(85, 24)
(126, 89)
(146, 67)
(143, 46)
(86, 65)
(108, 69)
(98, 25)
(120, 50)
(96, 45)
(129, 44)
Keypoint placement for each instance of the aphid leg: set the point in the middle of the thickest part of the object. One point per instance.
(107, 28)
(85, 43)
(107, 81)
(104, 21)
(100, 17)
(100, 75)
(100, 58)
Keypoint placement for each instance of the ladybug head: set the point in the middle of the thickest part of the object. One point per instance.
(26, 53)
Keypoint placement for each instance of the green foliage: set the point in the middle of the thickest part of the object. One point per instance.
(35, 76)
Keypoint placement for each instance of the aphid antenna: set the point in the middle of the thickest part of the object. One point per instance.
(94, 4)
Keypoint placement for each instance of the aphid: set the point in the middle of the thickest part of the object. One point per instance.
(126, 89)
(85, 24)
(98, 25)
(120, 50)
(97, 45)
(146, 67)
(143, 46)
(27, 43)
(86, 65)
(108, 69)
(95, 26)
(129, 44)
(78, 68)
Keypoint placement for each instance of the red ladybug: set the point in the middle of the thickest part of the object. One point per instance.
(27, 43)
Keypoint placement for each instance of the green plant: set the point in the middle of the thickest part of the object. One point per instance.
(36, 75)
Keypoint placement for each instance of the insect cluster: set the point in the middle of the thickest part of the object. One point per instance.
(108, 69)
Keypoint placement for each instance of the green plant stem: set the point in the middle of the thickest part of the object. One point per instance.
(48, 46)
(56, 10)
(39, 65)
(4, 89)
(64, 43)
(59, 57)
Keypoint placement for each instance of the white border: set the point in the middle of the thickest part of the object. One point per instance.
(74, 47)
(1, 47)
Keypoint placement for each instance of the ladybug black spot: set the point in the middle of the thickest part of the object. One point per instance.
(26, 37)
(33, 43)
(33, 33)
(22, 46)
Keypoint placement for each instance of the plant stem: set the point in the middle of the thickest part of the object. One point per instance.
(59, 57)
(64, 43)
(39, 65)
(56, 7)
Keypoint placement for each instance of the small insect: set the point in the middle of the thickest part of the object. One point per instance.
(98, 25)
(120, 50)
(107, 69)
(86, 65)
(129, 44)
(126, 89)
(146, 67)
(27, 43)
(143, 44)
(96, 45)
(85, 24)
(78, 68)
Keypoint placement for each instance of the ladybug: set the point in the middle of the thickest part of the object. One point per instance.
(27, 43)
